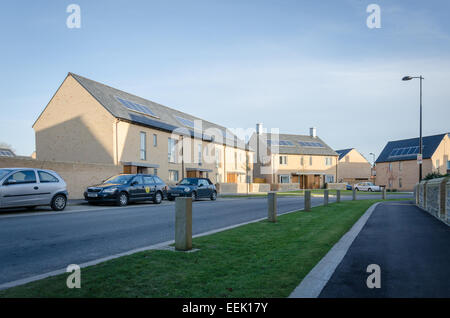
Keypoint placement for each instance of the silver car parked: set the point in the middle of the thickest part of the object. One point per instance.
(27, 187)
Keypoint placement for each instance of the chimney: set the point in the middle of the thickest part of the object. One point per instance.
(259, 128)
(312, 132)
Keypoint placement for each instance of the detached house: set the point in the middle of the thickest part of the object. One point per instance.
(397, 166)
(89, 122)
(293, 161)
(353, 167)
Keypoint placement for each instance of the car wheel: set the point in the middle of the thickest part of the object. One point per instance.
(214, 196)
(157, 198)
(370, 189)
(356, 189)
(194, 196)
(122, 199)
(59, 202)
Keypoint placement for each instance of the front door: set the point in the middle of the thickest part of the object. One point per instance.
(232, 177)
(204, 190)
(20, 189)
(137, 189)
(191, 174)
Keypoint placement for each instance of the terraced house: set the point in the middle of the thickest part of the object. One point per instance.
(89, 122)
(293, 161)
(397, 166)
(353, 167)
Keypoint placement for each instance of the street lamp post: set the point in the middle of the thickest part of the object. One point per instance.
(373, 156)
(408, 78)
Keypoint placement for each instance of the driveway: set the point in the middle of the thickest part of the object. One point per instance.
(410, 246)
(37, 243)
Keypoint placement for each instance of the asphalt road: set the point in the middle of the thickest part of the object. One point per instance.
(410, 246)
(37, 243)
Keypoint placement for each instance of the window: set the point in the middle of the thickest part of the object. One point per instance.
(173, 175)
(284, 178)
(21, 177)
(310, 160)
(399, 182)
(158, 180)
(148, 180)
(283, 160)
(448, 165)
(155, 140)
(143, 146)
(329, 178)
(437, 164)
(328, 161)
(390, 183)
(138, 179)
(217, 155)
(155, 171)
(172, 150)
(399, 166)
(390, 166)
(45, 177)
(200, 154)
(301, 161)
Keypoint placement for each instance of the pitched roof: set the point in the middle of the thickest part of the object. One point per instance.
(407, 149)
(165, 118)
(343, 152)
(300, 144)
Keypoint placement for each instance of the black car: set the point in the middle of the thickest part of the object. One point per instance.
(193, 187)
(126, 188)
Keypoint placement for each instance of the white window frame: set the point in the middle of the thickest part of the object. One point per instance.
(155, 140)
(281, 176)
(143, 146)
(172, 150)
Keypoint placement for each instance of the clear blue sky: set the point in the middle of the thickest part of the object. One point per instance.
(288, 64)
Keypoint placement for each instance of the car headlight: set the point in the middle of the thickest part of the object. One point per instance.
(110, 190)
(186, 189)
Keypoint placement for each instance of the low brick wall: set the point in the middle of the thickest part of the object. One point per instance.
(337, 186)
(434, 196)
(78, 176)
(224, 188)
(284, 186)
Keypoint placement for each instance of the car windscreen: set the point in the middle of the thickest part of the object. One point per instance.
(189, 181)
(121, 179)
(4, 172)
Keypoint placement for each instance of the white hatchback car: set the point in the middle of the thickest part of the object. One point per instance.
(27, 187)
(366, 186)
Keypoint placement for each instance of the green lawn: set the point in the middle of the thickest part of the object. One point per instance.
(257, 260)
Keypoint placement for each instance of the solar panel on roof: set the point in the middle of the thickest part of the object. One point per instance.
(185, 122)
(136, 107)
(310, 144)
(405, 151)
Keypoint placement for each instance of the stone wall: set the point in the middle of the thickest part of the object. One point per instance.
(242, 188)
(337, 186)
(434, 197)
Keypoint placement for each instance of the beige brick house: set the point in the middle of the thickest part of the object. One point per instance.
(353, 167)
(397, 166)
(293, 161)
(89, 122)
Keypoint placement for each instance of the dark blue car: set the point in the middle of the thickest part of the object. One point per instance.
(195, 188)
(126, 188)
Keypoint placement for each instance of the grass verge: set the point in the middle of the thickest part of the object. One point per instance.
(256, 260)
(301, 193)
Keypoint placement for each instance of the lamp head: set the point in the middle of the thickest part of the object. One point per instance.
(407, 78)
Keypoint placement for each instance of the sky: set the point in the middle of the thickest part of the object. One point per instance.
(290, 65)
